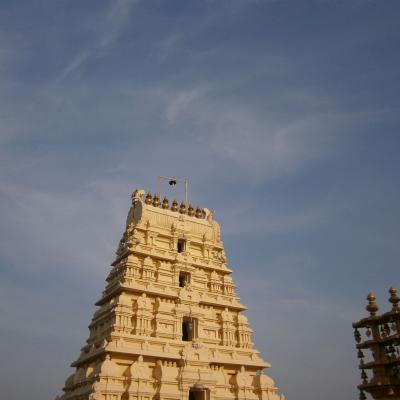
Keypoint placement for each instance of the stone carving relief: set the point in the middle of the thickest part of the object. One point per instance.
(139, 376)
(228, 328)
(144, 315)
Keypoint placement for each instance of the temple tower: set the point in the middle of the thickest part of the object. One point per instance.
(169, 324)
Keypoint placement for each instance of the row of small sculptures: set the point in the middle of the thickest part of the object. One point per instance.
(155, 201)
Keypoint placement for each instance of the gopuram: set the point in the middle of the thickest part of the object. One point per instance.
(169, 325)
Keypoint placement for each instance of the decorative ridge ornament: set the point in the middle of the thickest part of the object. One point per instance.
(199, 213)
(137, 195)
(174, 206)
(394, 299)
(182, 208)
(148, 198)
(156, 200)
(371, 307)
(165, 204)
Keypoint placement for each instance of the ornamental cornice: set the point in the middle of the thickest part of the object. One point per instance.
(173, 293)
(171, 256)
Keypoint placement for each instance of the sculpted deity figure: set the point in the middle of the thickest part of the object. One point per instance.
(139, 370)
(143, 301)
(226, 315)
(241, 377)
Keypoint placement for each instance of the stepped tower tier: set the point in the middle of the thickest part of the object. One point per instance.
(169, 324)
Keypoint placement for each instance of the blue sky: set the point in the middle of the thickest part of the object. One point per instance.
(283, 114)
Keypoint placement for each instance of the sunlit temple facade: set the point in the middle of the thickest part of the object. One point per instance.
(169, 324)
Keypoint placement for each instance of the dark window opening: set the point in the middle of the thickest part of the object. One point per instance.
(196, 394)
(188, 329)
(184, 279)
(181, 245)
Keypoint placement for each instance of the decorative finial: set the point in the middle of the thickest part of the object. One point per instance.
(208, 215)
(357, 335)
(137, 194)
(362, 395)
(198, 213)
(191, 210)
(134, 195)
(174, 206)
(364, 377)
(394, 299)
(165, 204)
(371, 307)
(156, 200)
(148, 198)
(182, 208)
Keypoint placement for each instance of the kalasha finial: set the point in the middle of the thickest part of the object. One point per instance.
(191, 211)
(394, 299)
(199, 213)
(148, 198)
(156, 200)
(165, 204)
(182, 208)
(371, 307)
(174, 206)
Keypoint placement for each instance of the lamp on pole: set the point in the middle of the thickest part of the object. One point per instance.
(173, 182)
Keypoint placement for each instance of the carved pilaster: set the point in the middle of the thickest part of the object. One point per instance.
(144, 316)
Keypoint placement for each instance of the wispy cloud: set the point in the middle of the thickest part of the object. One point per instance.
(45, 225)
(260, 144)
(107, 29)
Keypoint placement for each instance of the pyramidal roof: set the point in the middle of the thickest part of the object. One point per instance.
(169, 324)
